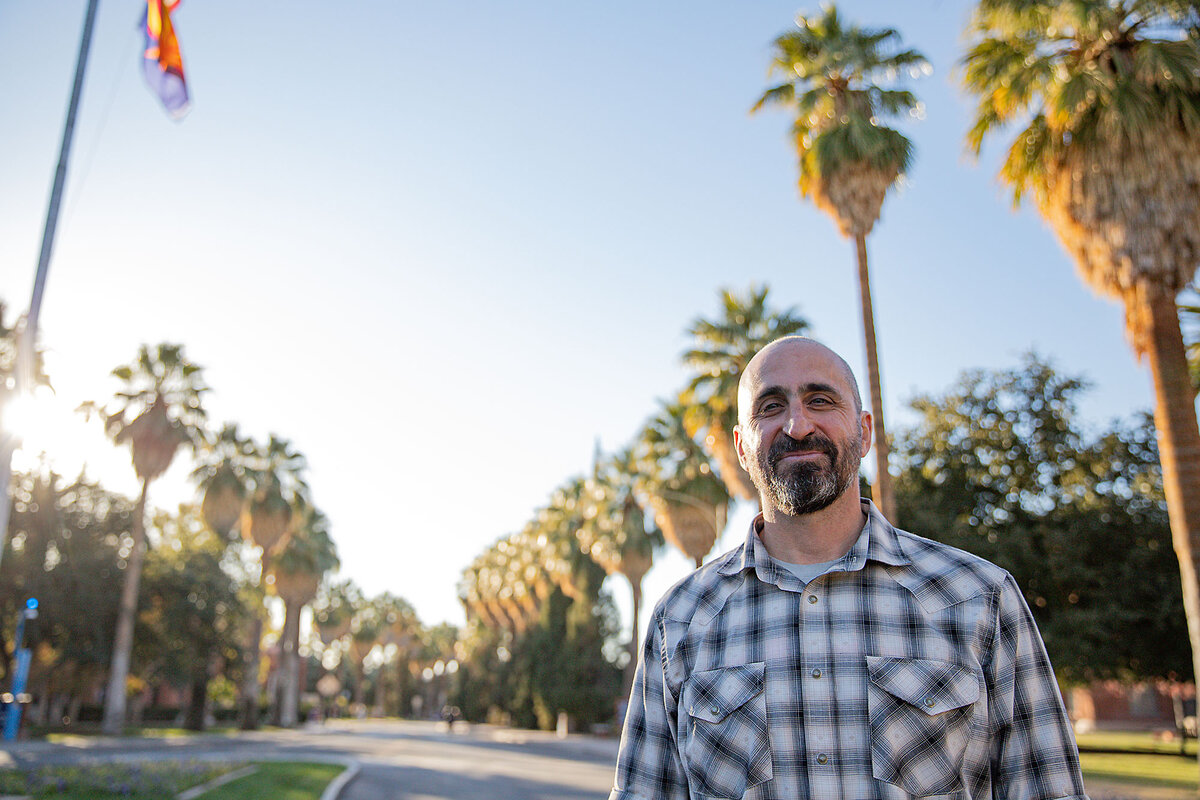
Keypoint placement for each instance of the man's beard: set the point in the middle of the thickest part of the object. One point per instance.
(805, 487)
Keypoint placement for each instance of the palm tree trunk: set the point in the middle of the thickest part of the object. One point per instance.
(249, 714)
(290, 673)
(633, 638)
(882, 493)
(360, 675)
(114, 696)
(194, 720)
(1178, 448)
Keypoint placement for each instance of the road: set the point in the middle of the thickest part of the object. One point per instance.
(399, 760)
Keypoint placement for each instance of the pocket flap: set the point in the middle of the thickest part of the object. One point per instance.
(714, 693)
(932, 686)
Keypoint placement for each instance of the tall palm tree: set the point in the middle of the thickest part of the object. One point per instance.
(1108, 94)
(158, 410)
(276, 487)
(689, 501)
(614, 532)
(298, 570)
(722, 348)
(833, 81)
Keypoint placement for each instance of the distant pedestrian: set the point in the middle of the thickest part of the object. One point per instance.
(831, 655)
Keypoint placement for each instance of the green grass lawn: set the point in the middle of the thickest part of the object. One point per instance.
(1173, 772)
(1144, 760)
(279, 781)
(164, 780)
(148, 781)
(1131, 742)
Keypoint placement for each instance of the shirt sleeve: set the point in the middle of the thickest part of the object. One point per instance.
(648, 764)
(1034, 756)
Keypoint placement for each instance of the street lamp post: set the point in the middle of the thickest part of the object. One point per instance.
(12, 717)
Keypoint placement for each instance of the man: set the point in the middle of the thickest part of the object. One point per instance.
(832, 656)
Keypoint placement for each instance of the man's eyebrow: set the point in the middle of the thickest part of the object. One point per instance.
(820, 387)
(806, 388)
(769, 391)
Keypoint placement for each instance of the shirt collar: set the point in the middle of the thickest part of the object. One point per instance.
(877, 542)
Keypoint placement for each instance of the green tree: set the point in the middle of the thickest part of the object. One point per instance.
(999, 465)
(68, 547)
(722, 347)
(834, 80)
(158, 410)
(297, 571)
(191, 612)
(1107, 95)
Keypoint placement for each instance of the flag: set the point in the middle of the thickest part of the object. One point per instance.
(162, 61)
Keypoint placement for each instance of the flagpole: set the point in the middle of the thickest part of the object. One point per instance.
(28, 335)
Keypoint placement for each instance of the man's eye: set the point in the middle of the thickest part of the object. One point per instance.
(821, 400)
(771, 406)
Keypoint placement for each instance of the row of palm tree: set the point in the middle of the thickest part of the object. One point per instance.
(1105, 97)
(674, 483)
(251, 491)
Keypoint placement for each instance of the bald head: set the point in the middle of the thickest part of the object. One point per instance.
(797, 347)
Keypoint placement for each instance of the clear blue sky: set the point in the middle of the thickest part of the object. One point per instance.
(444, 246)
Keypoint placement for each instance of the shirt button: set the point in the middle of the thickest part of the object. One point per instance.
(822, 759)
(716, 709)
(816, 673)
(812, 598)
(930, 702)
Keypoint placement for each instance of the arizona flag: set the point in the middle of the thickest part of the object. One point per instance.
(163, 63)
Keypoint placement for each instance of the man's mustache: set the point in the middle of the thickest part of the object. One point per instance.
(812, 443)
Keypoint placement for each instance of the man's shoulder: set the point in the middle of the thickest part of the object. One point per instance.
(942, 575)
(705, 588)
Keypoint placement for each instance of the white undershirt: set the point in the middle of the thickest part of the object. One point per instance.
(806, 572)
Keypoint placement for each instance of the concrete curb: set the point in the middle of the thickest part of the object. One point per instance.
(196, 791)
(336, 785)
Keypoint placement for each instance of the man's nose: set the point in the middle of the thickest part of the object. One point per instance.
(798, 424)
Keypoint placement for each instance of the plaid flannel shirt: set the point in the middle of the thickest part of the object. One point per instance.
(908, 669)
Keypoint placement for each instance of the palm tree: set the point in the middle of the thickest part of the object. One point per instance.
(722, 349)
(832, 82)
(279, 488)
(1108, 93)
(276, 487)
(689, 501)
(615, 535)
(366, 627)
(298, 569)
(158, 410)
(223, 478)
(401, 632)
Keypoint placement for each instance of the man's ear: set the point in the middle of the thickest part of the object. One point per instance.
(738, 445)
(868, 433)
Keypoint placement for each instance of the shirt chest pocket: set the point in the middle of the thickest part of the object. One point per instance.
(727, 749)
(920, 722)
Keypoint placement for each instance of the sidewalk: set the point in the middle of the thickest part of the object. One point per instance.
(1102, 790)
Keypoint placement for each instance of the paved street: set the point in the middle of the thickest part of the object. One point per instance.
(412, 760)
(399, 760)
